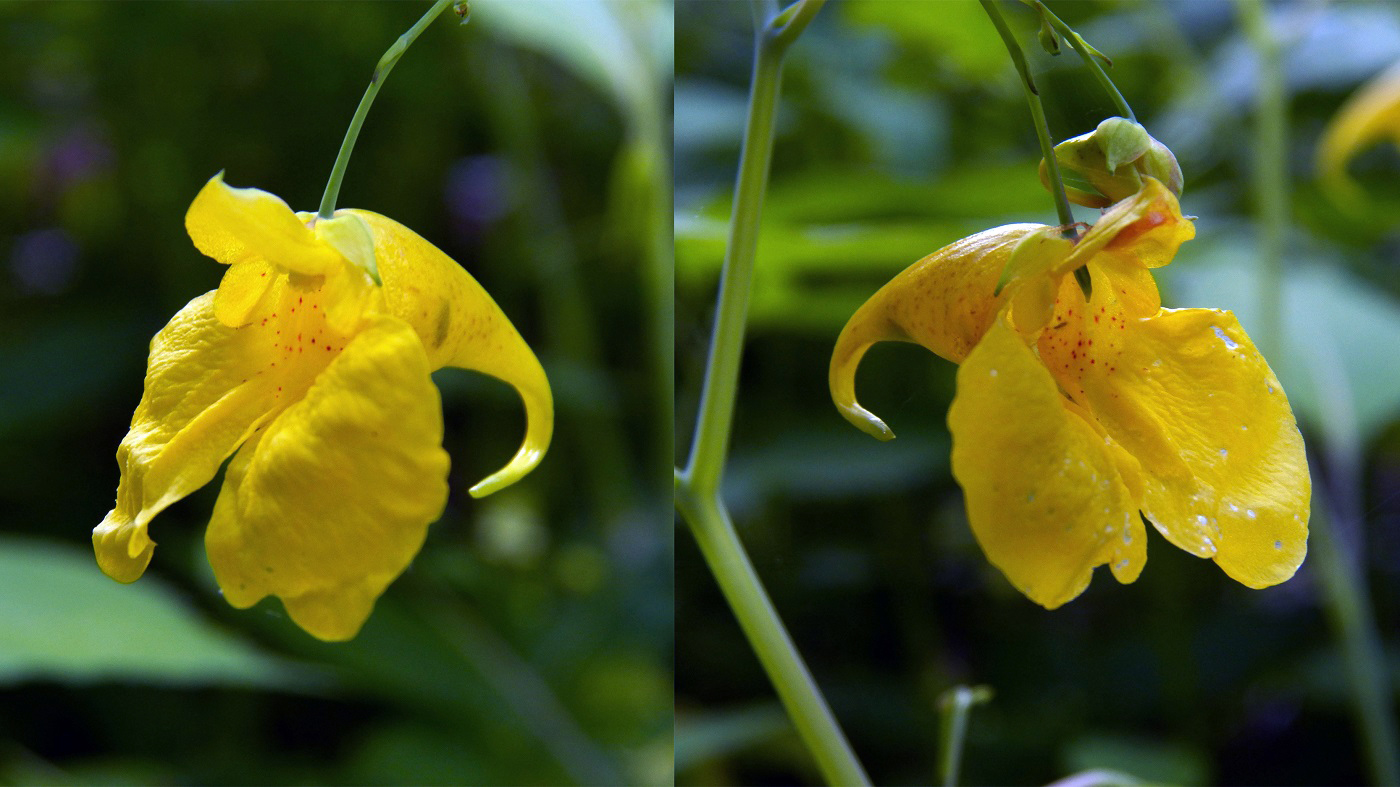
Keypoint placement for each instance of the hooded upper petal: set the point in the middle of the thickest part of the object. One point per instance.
(945, 302)
(460, 325)
(1048, 496)
(330, 502)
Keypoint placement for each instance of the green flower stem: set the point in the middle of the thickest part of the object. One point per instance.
(1042, 133)
(1095, 67)
(1042, 127)
(1340, 575)
(697, 486)
(381, 71)
(954, 707)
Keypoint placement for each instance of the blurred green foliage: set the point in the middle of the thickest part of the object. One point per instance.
(902, 128)
(530, 642)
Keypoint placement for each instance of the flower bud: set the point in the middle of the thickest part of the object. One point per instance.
(1107, 164)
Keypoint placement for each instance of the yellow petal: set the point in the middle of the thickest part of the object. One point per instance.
(1148, 226)
(244, 286)
(208, 386)
(1045, 490)
(236, 225)
(1189, 396)
(349, 235)
(198, 405)
(331, 501)
(460, 325)
(944, 302)
(1371, 114)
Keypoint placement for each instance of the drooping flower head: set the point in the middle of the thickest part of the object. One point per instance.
(1077, 417)
(309, 365)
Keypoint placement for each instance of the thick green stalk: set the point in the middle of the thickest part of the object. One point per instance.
(1342, 581)
(386, 64)
(1095, 67)
(697, 486)
(1270, 173)
(743, 590)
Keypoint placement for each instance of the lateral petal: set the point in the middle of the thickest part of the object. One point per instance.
(331, 501)
(1226, 475)
(200, 402)
(208, 387)
(236, 225)
(1045, 491)
(460, 325)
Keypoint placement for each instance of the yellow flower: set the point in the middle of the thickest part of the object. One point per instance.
(1369, 115)
(1074, 415)
(318, 378)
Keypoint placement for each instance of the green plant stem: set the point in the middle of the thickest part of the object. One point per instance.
(697, 486)
(1269, 173)
(381, 71)
(1351, 615)
(1042, 128)
(954, 707)
(1341, 578)
(1090, 59)
(743, 590)
(1042, 133)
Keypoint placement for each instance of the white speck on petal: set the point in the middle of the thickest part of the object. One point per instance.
(1122, 564)
(994, 373)
(1230, 343)
(1249, 512)
(1278, 545)
(1201, 520)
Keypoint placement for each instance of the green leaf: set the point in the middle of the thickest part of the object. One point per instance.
(61, 619)
(1154, 761)
(620, 47)
(830, 239)
(956, 31)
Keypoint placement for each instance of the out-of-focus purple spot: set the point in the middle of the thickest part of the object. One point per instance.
(477, 193)
(43, 262)
(76, 156)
